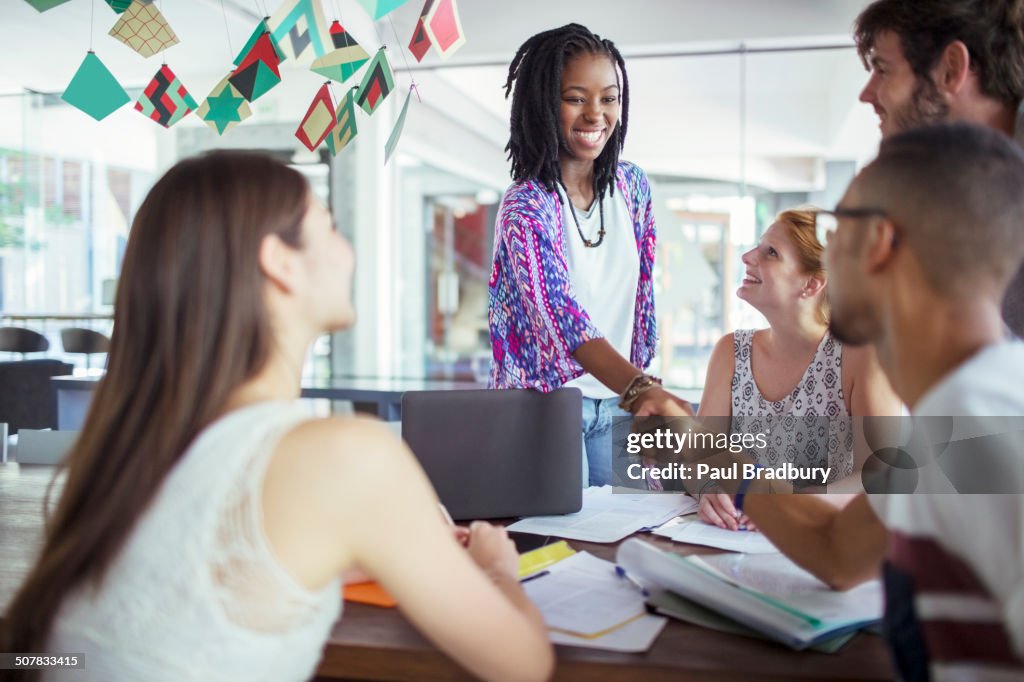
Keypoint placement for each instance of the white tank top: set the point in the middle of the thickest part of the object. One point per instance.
(604, 278)
(819, 393)
(196, 593)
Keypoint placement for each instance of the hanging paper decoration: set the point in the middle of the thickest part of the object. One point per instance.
(378, 8)
(344, 60)
(444, 28)
(345, 128)
(299, 29)
(165, 99)
(94, 90)
(420, 43)
(318, 121)
(260, 30)
(396, 132)
(377, 83)
(143, 28)
(224, 107)
(258, 72)
(43, 5)
(120, 6)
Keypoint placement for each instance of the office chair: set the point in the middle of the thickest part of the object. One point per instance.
(85, 341)
(21, 340)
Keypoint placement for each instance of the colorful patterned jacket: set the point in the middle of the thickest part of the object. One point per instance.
(535, 321)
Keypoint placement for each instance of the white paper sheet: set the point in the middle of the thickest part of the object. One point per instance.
(700, 533)
(608, 516)
(583, 597)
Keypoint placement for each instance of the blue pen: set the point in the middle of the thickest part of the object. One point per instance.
(621, 572)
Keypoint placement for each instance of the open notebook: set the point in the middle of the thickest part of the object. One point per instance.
(766, 592)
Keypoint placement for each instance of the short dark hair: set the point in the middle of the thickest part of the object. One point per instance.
(954, 191)
(992, 31)
(535, 81)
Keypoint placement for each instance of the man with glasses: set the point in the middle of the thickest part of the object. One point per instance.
(947, 60)
(923, 244)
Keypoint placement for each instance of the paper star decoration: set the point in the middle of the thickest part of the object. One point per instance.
(444, 28)
(94, 90)
(378, 8)
(299, 29)
(344, 60)
(377, 83)
(224, 107)
(165, 100)
(258, 72)
(143, 28)
(318, 121)
(256, 34)
(345, 128)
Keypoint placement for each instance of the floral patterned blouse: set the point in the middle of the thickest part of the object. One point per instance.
(535, 321)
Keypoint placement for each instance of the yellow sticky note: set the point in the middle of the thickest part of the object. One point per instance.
(542, 557)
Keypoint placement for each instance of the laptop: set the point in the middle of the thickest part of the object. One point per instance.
(499, 453)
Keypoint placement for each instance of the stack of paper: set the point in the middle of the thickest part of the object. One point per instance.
(607, 516)
(768, 593)
(585, 604)
(700, 533)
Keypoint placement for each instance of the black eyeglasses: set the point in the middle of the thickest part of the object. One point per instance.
(826, 222)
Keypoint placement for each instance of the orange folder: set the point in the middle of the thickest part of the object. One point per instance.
(368, 593)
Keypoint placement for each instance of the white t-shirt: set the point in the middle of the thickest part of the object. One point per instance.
(939, 534)
(605, 277)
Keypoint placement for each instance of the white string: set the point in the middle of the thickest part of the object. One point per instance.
(92, 13)
(412, 78)
(231, 49)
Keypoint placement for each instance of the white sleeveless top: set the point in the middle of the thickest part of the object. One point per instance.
(196, 593)
(604, 278)
(804, 442)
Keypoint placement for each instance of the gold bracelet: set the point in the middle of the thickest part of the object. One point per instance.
(639, 384)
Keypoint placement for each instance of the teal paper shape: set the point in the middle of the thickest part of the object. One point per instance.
(378, 8)
(43, 5)
(94, 89)
(396, 132)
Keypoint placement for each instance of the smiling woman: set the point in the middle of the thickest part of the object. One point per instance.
(571, 298)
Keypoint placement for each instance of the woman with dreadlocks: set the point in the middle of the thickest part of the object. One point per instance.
(571, 299)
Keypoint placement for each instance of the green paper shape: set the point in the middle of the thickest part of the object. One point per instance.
(259, 31)
(378, 8)
(43, 5)
(378, 82)
(119, 6)
(224, 109)
(94, 90)
(345, 128)
(396, 132)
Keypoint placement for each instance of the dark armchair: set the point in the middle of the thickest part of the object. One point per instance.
(27, 400)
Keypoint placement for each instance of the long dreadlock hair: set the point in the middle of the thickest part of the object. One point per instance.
(535, 138)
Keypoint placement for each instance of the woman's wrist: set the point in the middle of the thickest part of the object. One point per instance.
(636, 387)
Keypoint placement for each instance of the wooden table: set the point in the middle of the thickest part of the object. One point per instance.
(379, 644)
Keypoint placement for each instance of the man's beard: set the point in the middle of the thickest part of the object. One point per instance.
(926, 106)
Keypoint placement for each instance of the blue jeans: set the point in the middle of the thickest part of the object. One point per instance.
(597, 439)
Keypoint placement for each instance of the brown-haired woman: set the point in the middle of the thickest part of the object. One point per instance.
(208, 520)
(793, 368)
